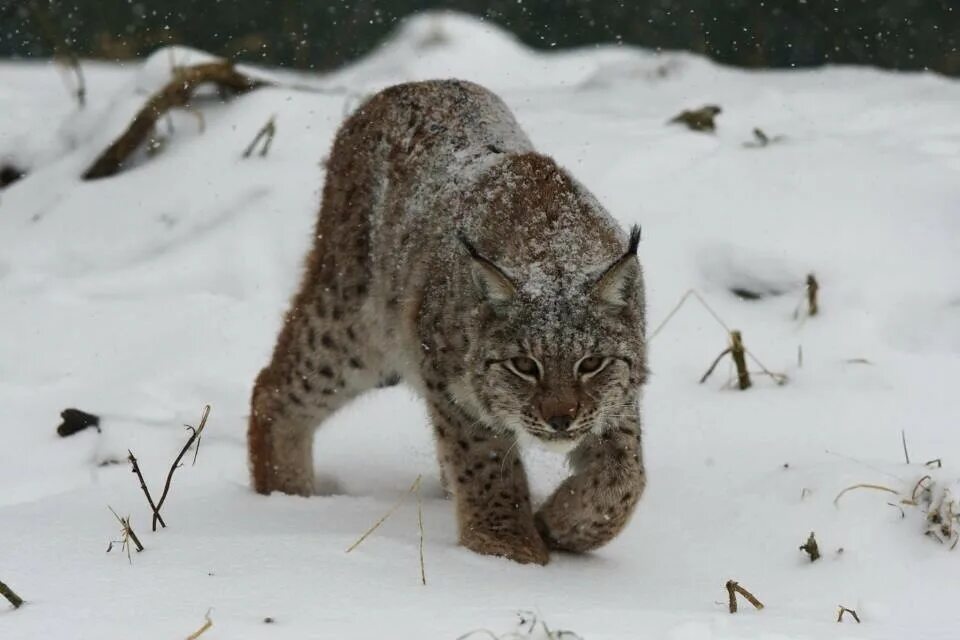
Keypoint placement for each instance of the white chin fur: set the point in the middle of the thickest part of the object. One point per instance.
(561, 447)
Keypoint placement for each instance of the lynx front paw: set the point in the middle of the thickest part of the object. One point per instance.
(562, 530)
(525, 548)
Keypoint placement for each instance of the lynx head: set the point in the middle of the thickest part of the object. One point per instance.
(561, 359)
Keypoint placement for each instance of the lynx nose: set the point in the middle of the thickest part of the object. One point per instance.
(559, 414)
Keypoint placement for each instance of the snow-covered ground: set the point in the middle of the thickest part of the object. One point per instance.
(144, 296)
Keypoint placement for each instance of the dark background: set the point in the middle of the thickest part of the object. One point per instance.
(320, 34)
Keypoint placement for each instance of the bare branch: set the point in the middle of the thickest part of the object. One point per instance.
(194, 437)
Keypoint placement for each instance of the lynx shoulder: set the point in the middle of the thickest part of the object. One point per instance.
(450, 255)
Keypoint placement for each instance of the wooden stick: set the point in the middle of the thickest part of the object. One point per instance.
(194, 437)
(11, 597)
(143, 485)
(737, 352)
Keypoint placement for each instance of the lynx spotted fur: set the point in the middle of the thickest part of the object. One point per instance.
(452, 256)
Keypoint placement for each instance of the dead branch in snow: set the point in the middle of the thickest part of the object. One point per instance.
(194, 438)
(143, 485)
(843, 610)
(266, 134)
(176, 94)
(10, 595)
(733, 588)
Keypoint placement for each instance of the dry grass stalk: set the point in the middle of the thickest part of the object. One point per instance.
(779, 378)
(266, 134)
(10, 595)
(733, 588)
(714, 365)
(811, 548)
(194, 438)
(843, 610)
(875, 487)
(176, 94)
(414, 488)
(143, 485)
(423, 570)
(690, 293)
(127, 536)
(935, 461)
(207, 623)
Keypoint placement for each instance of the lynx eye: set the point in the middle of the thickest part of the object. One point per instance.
(590, 364)
(524, 367)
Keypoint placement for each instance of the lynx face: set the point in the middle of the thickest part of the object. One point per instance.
(564, 362)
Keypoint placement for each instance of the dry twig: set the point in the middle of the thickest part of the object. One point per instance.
(844, 610)
(714, 365)
(127, 534)
(779, 378)
(143, 485)
(10, 595)
(177, 93)
(266, 134)
(194, 437)
(903, 438)
(734, 588)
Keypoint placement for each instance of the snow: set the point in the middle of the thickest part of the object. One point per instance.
(144, 296)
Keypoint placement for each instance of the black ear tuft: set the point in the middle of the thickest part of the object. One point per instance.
(634, 240)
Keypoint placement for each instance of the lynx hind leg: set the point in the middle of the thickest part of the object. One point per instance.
(483, 470)
(318, 366)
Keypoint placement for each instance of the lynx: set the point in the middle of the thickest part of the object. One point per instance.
(450, 255)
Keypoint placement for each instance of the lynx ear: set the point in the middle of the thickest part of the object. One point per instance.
(492, 282)
(615, 285)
